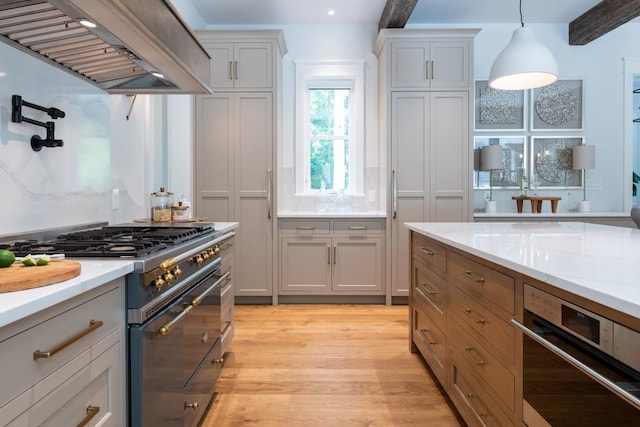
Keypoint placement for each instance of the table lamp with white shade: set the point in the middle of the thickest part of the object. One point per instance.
(490, 160)
(584, 157)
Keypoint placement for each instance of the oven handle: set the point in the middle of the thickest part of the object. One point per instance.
(625, 395)
(196, 301)
(168, 327)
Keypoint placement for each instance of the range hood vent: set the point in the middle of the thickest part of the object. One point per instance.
(138, 46)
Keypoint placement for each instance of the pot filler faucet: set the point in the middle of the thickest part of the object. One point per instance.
(36, 141)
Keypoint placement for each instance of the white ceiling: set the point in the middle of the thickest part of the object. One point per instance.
(295, 12)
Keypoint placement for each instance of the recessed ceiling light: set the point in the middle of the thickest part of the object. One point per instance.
(86, 23)
(157, 74)
(331, 12)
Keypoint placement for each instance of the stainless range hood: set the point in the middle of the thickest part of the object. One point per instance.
(138, 46)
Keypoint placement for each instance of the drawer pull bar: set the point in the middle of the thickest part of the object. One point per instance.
(93, 325)
(473, 276)
(427, 251)
(306, 227)
(481, 414)
(423, 288)
(467, 311)
(358, 227)
(92, 411)
(328, 254)
(429, 340)
(469, 350)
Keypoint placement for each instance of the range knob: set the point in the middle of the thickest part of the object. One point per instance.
(177, 272)
(169, 278)
(159, 283)
(205, 255)
(199, 260)
(217, 249)
(211, 252)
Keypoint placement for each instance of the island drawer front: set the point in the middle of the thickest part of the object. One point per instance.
(21, 370)
(305, 228)
(430, 293)
(491, 287)
(486, 368)
(431, 342)
(429, 252)
(363, 227)
(488, 326)
(474, 403)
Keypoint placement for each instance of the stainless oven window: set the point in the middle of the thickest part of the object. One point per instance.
(564, 395)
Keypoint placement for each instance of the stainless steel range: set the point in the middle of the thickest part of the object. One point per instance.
(173, 310)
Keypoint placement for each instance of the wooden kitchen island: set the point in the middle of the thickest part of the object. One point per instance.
(467, 282)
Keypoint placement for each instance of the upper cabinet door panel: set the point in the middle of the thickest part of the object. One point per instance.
(221, 65)
(253, 65)
(449, 65)
(409, 62)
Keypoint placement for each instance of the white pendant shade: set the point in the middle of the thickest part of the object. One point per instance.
(524, 64)
(491, 157)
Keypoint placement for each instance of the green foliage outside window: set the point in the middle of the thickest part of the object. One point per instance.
(329, 137)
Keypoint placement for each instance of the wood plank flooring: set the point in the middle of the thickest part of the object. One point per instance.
(328, 365)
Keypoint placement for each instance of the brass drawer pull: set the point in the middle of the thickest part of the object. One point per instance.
(93, 325)
(479, 413)
(92, 411)
(423, 288)
(473, 276)
(429, 340)
(306, 227)
(469, 350)
(357, 228)
(427, 251)
(467, 311)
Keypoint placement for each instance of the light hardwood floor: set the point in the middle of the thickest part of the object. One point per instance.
(328, 365)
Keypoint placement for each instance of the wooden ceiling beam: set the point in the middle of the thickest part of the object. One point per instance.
(602, 18)
(396, 13)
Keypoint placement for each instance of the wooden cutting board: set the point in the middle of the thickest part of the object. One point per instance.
(18, 277)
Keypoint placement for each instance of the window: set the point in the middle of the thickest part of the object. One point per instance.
(328, 139)
(329, 127)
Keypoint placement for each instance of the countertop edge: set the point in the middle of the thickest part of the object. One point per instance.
(330, 215)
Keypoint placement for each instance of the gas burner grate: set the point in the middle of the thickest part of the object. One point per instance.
(87, 248)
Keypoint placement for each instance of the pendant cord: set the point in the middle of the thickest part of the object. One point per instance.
(521, 21)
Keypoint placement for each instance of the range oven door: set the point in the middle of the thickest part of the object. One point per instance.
(167, 354)
(567, 382)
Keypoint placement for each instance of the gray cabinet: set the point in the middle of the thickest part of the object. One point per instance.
(241, 65)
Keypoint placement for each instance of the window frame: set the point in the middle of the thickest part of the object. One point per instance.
(329, 75)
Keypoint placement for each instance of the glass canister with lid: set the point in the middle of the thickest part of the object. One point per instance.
(161, 202)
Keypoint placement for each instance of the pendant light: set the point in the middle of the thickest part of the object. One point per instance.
(524, 64)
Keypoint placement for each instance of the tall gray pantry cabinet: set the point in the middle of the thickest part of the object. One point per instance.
(426, 101)
(236, 130)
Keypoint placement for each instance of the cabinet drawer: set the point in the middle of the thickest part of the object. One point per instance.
(304, 228)
(430, 291)
(358, 227)
(429, 253)
(431, 342)
(495, 331)
(22, 369)
(473, 402)
(491, 287)
(93, 390)
(485, 367)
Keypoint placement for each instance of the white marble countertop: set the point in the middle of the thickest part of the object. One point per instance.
(331, 214)
(93, 273)
(598, 262)
(551, 215)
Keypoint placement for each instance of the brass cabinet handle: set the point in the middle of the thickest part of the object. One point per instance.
(328, 254)
(426, 65)
(93, 325)
(230, 70)
(423, 288)
(306, 227)
(428, 251)
(358, 228)
(269, 191)
(236, 70)
(394, 195)
(335, 253)
(168, 327)
(473, 276)
(467, 311)
(193, 405)
(469, 349)
(433, 70)
(479, 413)
(429, 340)
(92, 411)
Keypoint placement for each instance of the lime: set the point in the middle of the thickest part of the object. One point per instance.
(43, 260)
(29, 261)
(6, 258)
